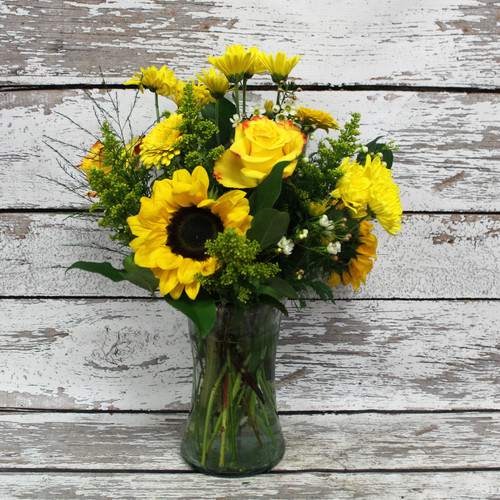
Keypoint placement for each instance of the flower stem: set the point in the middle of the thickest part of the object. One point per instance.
(223, 432)
(244, 97)
(157, 109)
(208, 415)
(237, 97)
(217, 113)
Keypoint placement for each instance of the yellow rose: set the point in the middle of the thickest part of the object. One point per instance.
(259, 144)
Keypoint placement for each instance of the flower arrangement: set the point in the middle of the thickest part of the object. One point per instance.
(219, 202)
(224, 203)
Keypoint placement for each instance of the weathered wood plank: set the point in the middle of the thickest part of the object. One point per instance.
(458, 257)
(356, 355)
(338, 442)
(448, 158)
(438, 42)
(482, 485)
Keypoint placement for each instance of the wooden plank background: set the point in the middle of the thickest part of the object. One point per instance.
(392, 392)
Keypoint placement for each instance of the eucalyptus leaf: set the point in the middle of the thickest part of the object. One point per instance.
(202, 311)
(268, 227)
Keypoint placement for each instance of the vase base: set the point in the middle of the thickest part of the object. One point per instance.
(252, 466)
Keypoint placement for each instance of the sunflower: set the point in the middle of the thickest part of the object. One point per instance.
(159, 146)
(162, 81)
(236, 63)
(317, 118)
(279, 66)
(362, 264)
(173, 225)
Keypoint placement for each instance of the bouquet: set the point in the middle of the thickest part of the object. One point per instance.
(226, 203)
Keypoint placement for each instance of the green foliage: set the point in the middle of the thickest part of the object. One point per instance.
(315, 178)
(121, 189)
(239, 275)
(268, 226)
(201, 312)
(196, 147)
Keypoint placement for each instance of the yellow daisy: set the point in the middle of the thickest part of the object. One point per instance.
(315, 117)
(279, 66)
(173, 225)
(235, 63)
(362, 264)
(217, 82)
(159, 146)
(162, 81)
(201, 94)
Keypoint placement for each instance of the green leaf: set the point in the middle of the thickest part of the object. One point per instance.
(388, 157)
(272, 301)
(103, 268)
(140, 276)
(323, 290)
(268, 227)
(226, 111)
(282, 287)
(201, 311)
(268, 191)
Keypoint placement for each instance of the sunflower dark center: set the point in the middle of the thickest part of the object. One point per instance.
(189, 229)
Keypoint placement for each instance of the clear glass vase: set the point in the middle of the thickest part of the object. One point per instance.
(233, 426)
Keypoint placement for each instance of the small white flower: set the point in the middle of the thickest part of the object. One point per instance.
(333, 248)
(364, 149)
(257, 111)
(281, 117)
(235, 120)
(325, 222)
(276, 108)
(286, 245)
(303, 234)
(384, 164)
(289, 107)
(306, 159)
(380, 155)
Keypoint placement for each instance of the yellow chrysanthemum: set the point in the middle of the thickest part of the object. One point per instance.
(316, 118)
(257, 65)
(317, 208)
(173, 226)
(279, 66)
(162, 81)
(352, 187)
(383, 196)
(362, 264)
(370, 190)
(235, 63)
(95, 159)
(159, 146)
(217, 82)
(201, 94)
